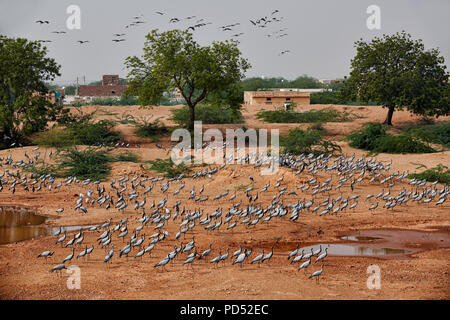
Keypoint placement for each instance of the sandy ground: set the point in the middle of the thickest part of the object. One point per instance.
(423, 274)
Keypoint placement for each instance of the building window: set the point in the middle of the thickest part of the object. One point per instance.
(268, 99)
(288, 99)
(113, 92)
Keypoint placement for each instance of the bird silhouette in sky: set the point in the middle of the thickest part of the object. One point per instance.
(284, 52)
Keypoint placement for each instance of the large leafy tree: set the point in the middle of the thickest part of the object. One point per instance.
(396, 71)
(173, 60)
(24, 68)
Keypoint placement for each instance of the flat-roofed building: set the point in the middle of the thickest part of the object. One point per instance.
(277, 98)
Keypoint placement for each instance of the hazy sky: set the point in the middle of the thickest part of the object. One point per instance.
(321, 33)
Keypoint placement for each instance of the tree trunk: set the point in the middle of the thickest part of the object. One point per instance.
(191, 117)
(388, 120)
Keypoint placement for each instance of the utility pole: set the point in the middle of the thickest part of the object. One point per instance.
(84, 80)
(78, 89)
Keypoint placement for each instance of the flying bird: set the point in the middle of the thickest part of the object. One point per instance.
(58, 32)
(42, 21)
(83, 41)
(284, 52)
(118, 34)
(160, 13)
(118, 40)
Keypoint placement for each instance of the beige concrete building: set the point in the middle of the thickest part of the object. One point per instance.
(276, 98)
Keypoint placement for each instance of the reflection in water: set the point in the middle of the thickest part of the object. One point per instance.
(358, 238)
(354, 250)
(21, 225)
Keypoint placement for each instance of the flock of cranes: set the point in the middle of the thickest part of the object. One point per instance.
(262, 22)
(142, 209)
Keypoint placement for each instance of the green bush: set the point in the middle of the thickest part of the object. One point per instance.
(95, 133)
(79, 133)
(151, 129)
(300, 141)
(56, 137)
(402, 143)
(373, 137)
(439, 173)
(433, 133)
(312, 116)
(366, 137)
(208, 114)
(168, 168)
(126, 157)
(90, 163)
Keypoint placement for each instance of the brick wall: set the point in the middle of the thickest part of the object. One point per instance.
(110, 79)
(101, 91)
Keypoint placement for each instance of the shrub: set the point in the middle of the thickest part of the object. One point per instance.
(79, 133)
(366, 137)
(373, 137)
(300, 141)
(402, 143)
(90, 163)
(439, 173)
(434, 133)
(126, 157)
(208, 114)
(312, 116)
(56, 137)
(151, 129)
(168, 168)
(95, 133)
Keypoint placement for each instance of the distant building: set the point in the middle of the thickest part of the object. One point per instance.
(110, 87)
(177, 94)
(330, 81)
(276, 98)
(53, 95)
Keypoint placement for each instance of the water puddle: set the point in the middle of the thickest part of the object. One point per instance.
(334, 249)
(19, 225)
(381, 243)
(359, 238)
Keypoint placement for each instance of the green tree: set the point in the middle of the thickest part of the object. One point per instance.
(24, 68)
(396, 71)
(173, 60)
